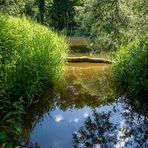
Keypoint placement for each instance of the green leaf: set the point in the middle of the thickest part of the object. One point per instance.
(146, 85)
(3, 135)
(18, 127)
(7, 116)
(8, 145)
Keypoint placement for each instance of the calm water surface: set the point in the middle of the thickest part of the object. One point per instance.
(81, 113)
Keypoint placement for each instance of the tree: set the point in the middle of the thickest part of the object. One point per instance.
(114, 128)
(62, 14)
(12, 7)
(39, 10)
(110, 23)
(41, 6)
(137, 14)
(103, 21)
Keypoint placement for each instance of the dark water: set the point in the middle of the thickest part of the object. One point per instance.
(83, 112)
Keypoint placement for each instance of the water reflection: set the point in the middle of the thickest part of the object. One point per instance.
(64, 107)
(80, 113)
(118, 127)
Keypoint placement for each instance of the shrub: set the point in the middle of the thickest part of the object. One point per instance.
(130, 68)
(31, 55)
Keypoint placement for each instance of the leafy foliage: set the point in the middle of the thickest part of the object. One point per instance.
(12, 7)
(103, 22)
(130, 68)
(58, 14)
(62, 13)
(39, 10)
(110, 23)
(11, 123)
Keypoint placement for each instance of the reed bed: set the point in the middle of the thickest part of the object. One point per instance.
(130, 69)
(31, 56)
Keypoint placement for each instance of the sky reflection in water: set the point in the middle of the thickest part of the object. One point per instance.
(74, 117)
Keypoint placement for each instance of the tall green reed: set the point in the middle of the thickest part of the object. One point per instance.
(130, 68)
(31, 56)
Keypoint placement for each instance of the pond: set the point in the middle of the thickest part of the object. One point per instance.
(83, 112)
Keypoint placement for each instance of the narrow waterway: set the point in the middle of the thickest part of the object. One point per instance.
(83, 112)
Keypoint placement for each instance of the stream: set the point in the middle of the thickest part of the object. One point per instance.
(83, 112)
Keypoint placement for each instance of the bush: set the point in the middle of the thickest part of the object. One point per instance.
(31, 55)
(130, 68)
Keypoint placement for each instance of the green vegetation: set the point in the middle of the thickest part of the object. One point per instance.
(12, 7)
(102, 22)
(130, 68)
(110, 23)
(58, 14)
(62, 15)
(30, 57)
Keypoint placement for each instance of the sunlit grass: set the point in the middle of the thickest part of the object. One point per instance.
(31, 56)
(130, 68)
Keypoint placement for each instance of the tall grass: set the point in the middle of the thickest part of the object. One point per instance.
(130, 68)
(31, 55)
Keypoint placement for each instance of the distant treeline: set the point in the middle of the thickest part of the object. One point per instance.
(58, 14)
(108, 23)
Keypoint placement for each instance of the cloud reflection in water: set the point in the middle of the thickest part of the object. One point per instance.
(58, 118)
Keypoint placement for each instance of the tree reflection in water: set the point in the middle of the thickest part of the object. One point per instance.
(29, 145)
(96, 131)
(120, 127)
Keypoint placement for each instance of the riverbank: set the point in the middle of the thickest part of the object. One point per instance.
(31, 56)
